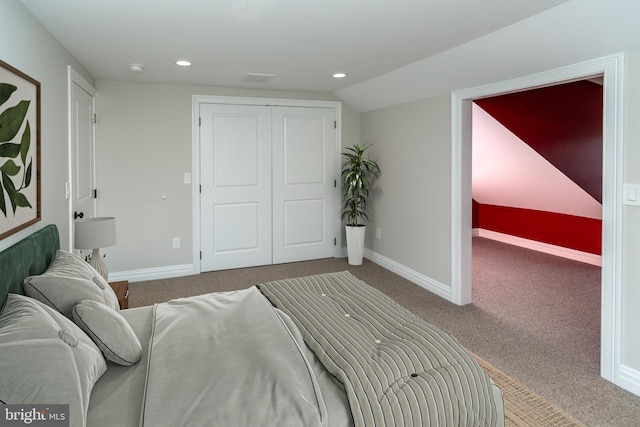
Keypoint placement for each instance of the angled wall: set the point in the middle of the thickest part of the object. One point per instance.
(537, 165)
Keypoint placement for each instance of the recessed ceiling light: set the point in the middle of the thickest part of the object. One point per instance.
(183, 63)
(136, 68)
(339, 75)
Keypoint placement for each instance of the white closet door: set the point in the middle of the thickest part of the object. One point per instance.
(235, 173)
(303, 183)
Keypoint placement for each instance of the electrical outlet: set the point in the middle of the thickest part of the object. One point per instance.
(378, 233)
(176, 243)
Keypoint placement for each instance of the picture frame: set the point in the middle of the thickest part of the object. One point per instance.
(19, 150)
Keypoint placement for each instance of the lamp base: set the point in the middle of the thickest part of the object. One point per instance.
(98, 264)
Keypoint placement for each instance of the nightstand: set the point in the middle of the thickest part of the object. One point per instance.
(121, 289)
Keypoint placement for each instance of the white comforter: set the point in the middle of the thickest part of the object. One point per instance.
(204, 368)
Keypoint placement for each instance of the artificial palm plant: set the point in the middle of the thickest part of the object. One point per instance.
(358, 175)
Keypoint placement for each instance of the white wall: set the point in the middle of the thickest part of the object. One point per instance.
(144, 146)
(411, 200)
(26, 45)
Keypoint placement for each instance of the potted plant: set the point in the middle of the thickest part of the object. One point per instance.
(358, 175)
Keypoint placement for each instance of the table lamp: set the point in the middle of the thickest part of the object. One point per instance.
(95, 233)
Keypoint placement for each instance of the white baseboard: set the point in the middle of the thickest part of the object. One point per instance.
(419, 279)
(573, 254)
(153, 273)
(629, 379)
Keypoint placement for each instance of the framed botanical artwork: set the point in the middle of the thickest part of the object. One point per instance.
(19, 150)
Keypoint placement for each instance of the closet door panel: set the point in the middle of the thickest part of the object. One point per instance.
(235, 202)
(303, 183)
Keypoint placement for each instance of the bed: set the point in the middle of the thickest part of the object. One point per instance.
(324, 350)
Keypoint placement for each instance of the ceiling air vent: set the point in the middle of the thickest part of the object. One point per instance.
(258, 77)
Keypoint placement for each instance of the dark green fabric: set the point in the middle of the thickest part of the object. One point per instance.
(30, 256)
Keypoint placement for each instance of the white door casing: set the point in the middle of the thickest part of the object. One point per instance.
(235, 199)
(303, 183)
(82, 149)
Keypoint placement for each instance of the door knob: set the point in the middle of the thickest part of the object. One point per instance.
(77, 215)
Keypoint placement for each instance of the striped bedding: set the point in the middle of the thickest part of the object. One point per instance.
(397, 369)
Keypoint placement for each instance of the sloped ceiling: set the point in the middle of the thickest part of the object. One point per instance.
(506, 171)
(562, 123)
(572, 32)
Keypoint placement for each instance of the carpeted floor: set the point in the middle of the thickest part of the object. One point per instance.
(534, 316)
(547, 313)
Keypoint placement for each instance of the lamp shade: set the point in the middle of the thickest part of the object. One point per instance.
(93, 233)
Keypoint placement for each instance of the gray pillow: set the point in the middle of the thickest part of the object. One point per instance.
(109, 331)
(67, 281)
(46, 359)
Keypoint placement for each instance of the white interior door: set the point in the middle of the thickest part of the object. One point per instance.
(235, 176)
(303, 183)
(83, 174)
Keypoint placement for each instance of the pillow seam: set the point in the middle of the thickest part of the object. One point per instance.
(49, 302)
(81, 320)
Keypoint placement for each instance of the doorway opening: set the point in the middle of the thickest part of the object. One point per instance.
(611, 68)
(81, 183)
(537, 185)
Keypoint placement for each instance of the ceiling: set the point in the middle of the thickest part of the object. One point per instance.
(302, 43)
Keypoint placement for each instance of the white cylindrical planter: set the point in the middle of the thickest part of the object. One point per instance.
(355, 244)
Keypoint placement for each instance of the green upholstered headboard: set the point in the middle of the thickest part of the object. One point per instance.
(30, 256)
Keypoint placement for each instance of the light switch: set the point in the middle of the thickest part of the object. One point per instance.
(187, 178)
(631, 194)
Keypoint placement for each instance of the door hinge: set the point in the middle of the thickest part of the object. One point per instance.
(93, 118)
(335, 241)
(199, 121)
(200, 188)
(335, 124)
(95, 193)
(200, 254)
(335, 183)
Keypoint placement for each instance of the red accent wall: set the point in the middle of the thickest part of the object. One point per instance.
(574, 232)
(563, 123)
(475, 221)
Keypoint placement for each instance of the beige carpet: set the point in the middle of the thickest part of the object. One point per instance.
(523, 407)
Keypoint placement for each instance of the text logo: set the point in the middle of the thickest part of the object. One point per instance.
(34, 415)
